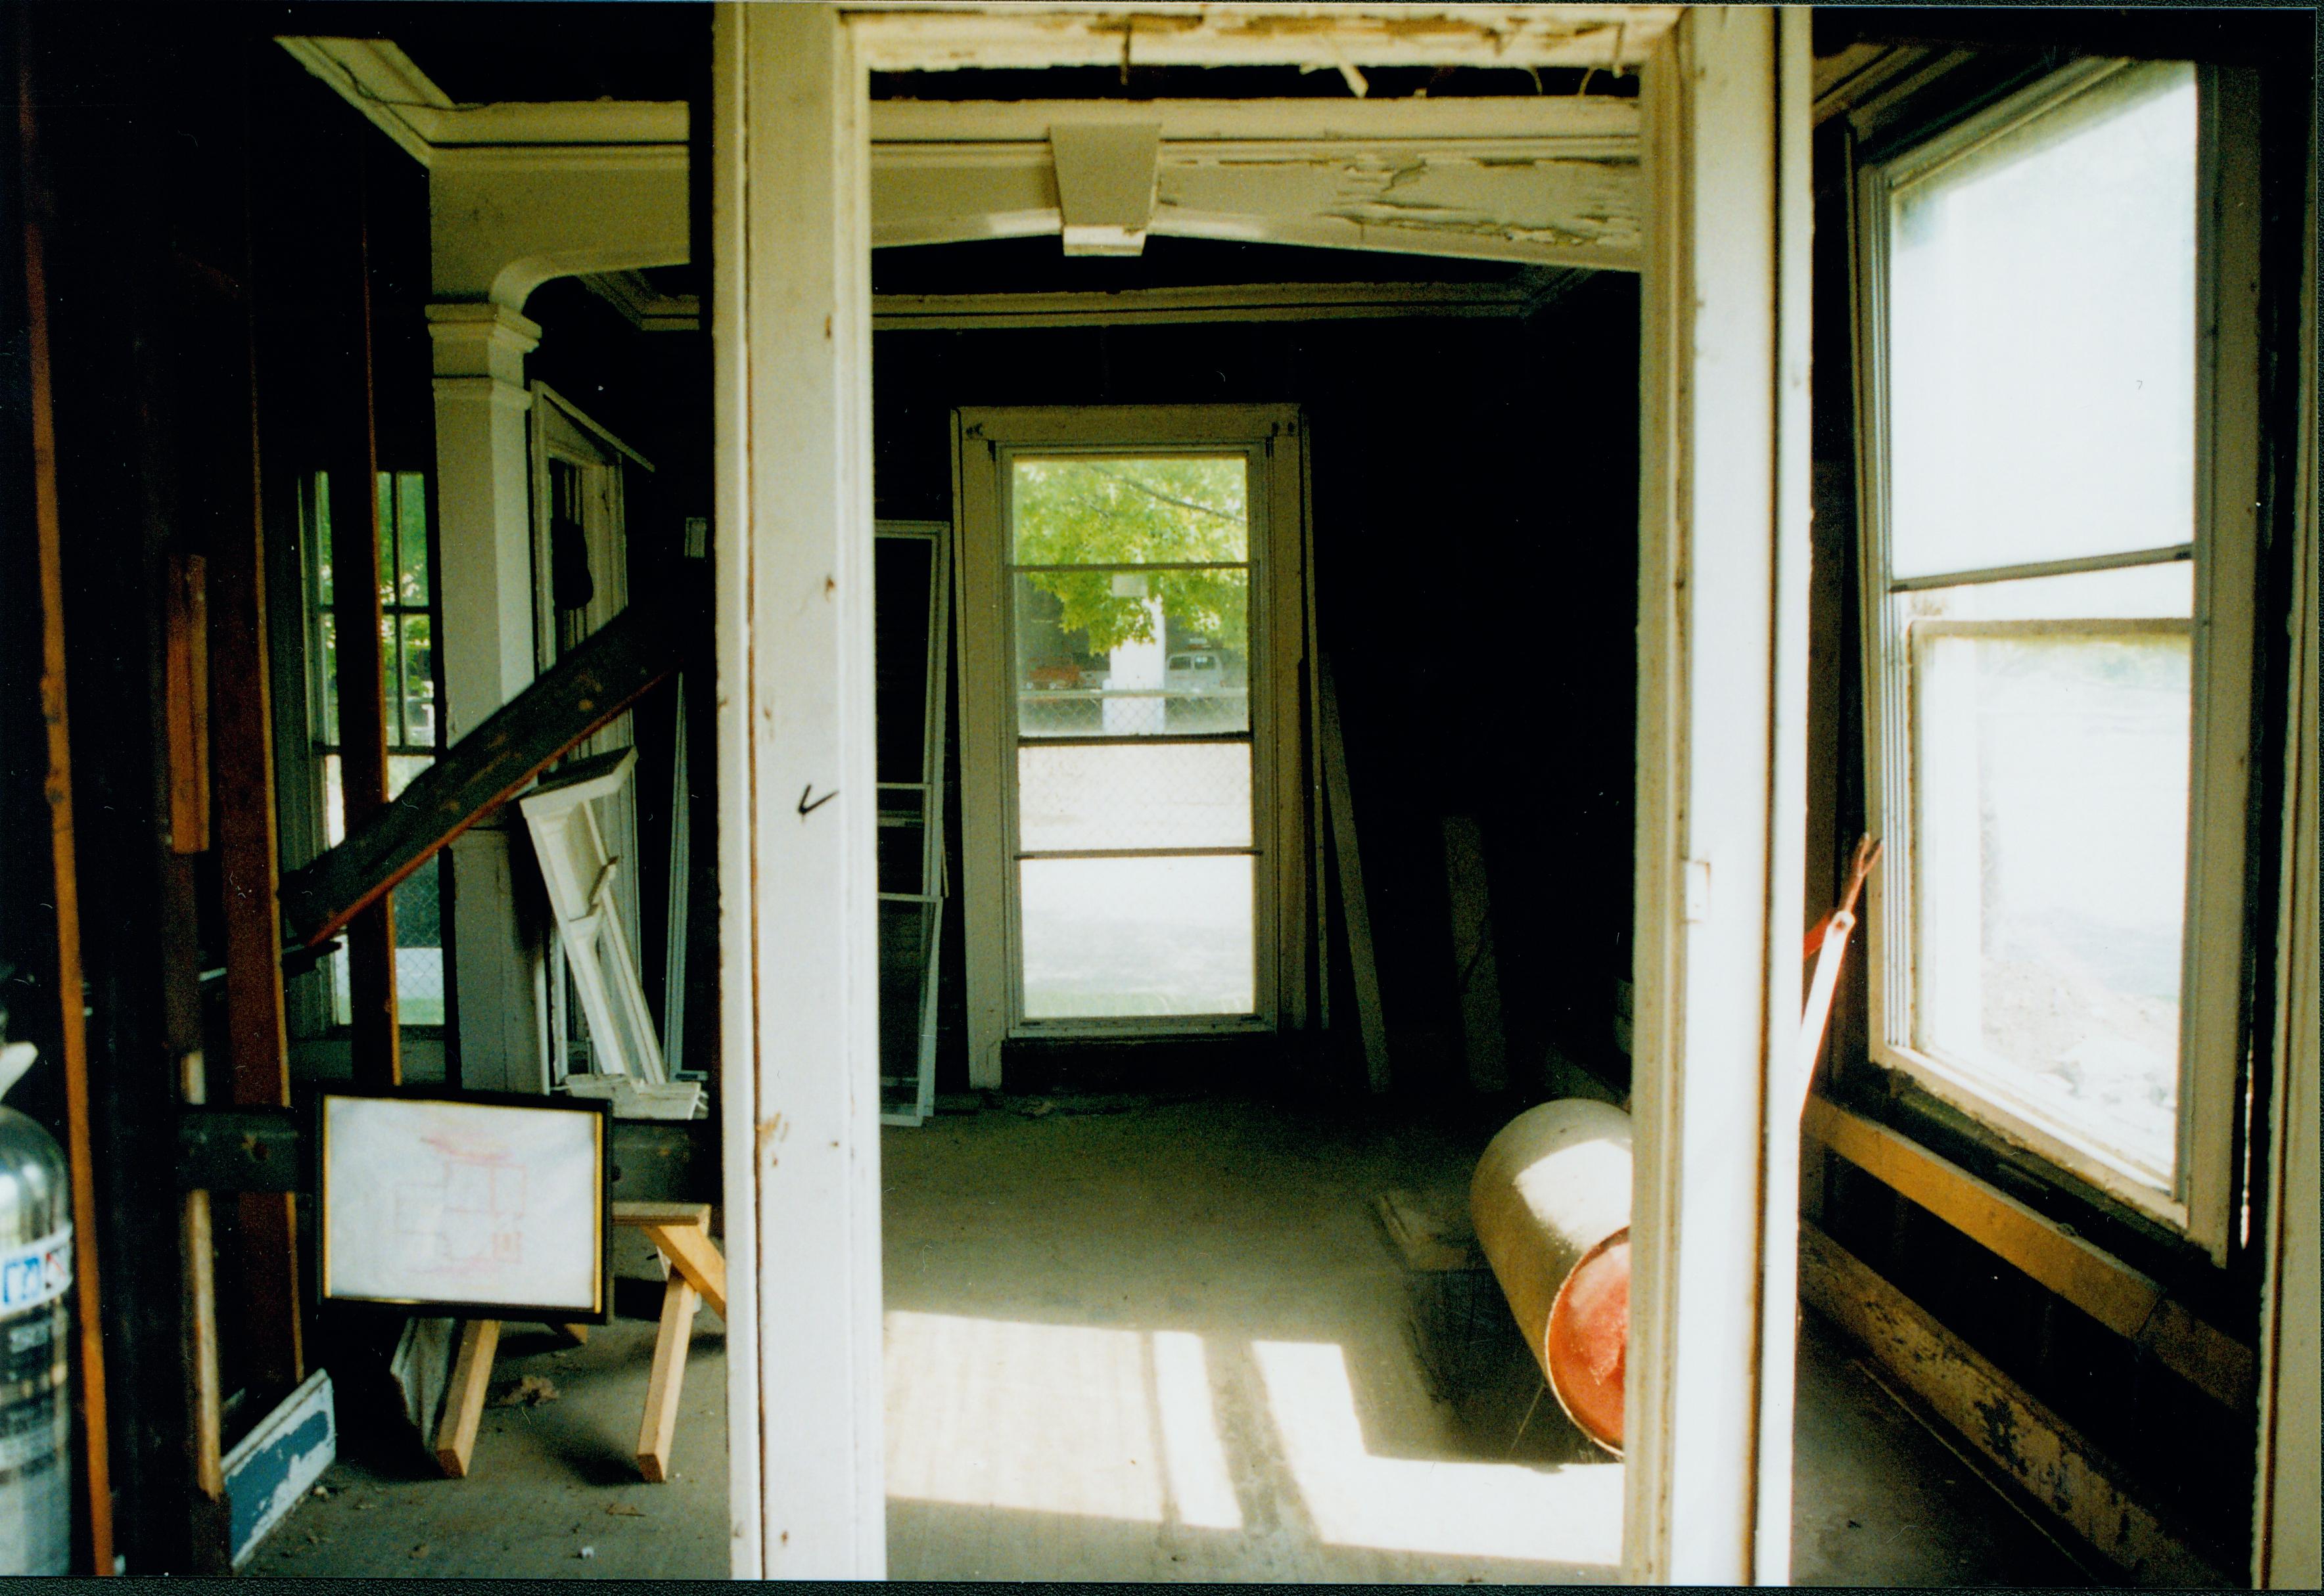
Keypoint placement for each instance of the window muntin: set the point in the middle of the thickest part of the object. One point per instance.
(408, 702)
(1130, 578)
(2045, 649)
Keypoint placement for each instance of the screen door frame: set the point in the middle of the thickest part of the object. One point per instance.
(986, 440)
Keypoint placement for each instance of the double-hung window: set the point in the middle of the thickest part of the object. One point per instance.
(2058, 393)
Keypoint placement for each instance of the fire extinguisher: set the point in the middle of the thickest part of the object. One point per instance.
(36, 1278)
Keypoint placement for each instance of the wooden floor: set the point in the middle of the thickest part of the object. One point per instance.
(1163, 1343)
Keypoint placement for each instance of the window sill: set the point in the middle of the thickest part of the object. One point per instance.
(2060, 1160)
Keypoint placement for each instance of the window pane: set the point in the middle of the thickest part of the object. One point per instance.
(318, 530)
(907, 943)
(2161, 591)
(901, 840)
(391, 677)
(2042, 337)
(327, 638)
(419, 681)
(1084, 510)
(402, 769)
(386, 524)
(2049, 874)
(901, 570)
(334, 804)
(1134, 653)
(419, 948)
(1173, 796)
(412, 536)
(1138, 936)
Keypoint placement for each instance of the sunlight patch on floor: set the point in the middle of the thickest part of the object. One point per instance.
(1569, 1515)
(1055, 1418)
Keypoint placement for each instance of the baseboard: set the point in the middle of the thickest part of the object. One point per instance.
(2025, 1447)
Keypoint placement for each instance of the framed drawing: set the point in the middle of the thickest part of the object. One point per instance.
(477, 1204)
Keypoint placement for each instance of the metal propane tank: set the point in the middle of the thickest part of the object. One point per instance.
(35, 1328)
(1551, 1202)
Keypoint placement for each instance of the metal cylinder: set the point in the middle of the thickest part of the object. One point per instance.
(35, 1318)
(1551, 1202)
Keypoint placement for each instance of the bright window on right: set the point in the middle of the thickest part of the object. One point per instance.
(2057, 352)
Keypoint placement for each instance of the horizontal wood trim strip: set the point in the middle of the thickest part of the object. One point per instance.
(2029, 1445)
(2123, 1299)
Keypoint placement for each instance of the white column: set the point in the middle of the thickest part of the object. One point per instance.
(1722, 574)
(799, 967)
(484, 566)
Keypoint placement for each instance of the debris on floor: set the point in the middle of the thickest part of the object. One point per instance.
(531, 1391)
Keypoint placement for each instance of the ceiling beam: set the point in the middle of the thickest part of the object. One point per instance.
(932, 35)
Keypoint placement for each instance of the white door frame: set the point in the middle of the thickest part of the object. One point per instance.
(1272, 438)
(1721, 703)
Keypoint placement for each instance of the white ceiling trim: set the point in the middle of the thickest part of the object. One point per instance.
(1547, 180)
(649, 310)
(1579, 125)
(1332, 301)
(376, 78)
(937, 35)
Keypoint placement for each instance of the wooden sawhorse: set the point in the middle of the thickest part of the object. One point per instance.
(681, 1232)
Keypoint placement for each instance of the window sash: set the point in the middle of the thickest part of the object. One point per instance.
(2198, 1199)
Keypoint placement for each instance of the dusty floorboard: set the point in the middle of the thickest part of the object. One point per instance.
(1169, 1342)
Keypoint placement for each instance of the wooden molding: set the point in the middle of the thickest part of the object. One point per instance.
(2018, 1437)
(2122, 1298)
(376, 78)
(915, 36)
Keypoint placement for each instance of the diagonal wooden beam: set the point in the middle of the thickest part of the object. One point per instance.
(609, 671)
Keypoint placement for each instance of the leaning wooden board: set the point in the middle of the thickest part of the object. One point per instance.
(609, 671)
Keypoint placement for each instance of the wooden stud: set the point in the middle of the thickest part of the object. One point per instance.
(1353, 903)
(187, 711)
(93, 1443)
(241, 716)
(659, 1426)
(464, 1402)
(205, 1401)
(363, 713)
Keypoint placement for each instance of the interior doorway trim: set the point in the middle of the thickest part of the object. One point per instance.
(1721, 589)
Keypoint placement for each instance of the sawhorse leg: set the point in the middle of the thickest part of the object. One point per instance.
(659, 1426)
(464, 1401)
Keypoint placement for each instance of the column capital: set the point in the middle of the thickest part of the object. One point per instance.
(481, 340)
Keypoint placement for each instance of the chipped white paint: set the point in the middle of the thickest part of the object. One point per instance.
(910, 36)
(1553, 181)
